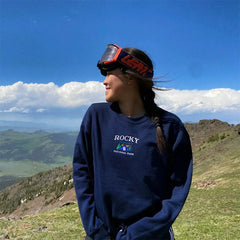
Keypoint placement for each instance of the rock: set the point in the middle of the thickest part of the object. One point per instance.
(42, 228)
(4, 236)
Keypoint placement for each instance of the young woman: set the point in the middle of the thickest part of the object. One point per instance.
(132, 165)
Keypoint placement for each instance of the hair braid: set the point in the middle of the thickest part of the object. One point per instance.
(146, 86)
(151, 109)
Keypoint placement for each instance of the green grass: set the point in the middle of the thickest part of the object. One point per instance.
(26, 168)
(212, 212)
(63, 223)
(209, 214)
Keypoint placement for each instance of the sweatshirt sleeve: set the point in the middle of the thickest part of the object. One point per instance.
(180, 181)
(83, 182)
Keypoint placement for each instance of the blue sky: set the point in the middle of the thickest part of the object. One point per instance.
(194, 42)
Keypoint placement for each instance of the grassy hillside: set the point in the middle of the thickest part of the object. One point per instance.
(212, 210)
(49, 186)
(25, 154)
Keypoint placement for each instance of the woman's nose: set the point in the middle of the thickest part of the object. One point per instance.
(105, 81)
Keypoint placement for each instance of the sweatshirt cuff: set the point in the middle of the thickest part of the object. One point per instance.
(122, 234)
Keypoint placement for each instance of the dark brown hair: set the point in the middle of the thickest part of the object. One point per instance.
(146, 87)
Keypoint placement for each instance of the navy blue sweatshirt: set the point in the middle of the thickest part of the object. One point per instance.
(126, 189)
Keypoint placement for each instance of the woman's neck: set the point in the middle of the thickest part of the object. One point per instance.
(132, 108)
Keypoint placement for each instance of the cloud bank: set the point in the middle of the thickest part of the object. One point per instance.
(50, 101)
(22, 97)
(190, 101)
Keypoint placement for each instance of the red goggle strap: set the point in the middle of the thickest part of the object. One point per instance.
(135, 64)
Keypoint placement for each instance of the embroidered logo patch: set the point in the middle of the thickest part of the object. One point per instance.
(125, 144)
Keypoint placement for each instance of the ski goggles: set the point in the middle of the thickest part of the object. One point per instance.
(114, 57)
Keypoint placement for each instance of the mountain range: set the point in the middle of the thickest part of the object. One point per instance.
(215, 186)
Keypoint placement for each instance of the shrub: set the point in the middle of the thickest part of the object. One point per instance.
(213, 138)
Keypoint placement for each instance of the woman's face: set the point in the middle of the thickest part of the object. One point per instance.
(116, 86)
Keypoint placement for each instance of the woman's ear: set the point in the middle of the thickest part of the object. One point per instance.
(132, 81)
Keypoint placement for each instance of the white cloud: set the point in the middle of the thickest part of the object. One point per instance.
(74, 94)
(40, 110)
(16, 110)
(36, 97)
(21, 95)
(28, 98)
(190, 101)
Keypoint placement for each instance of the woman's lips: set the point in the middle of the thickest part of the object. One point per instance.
(107, 90)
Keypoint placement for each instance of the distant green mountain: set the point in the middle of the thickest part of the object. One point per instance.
(24, 154)
(6, 181)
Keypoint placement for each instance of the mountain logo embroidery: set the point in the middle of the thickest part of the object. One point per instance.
(122, 146)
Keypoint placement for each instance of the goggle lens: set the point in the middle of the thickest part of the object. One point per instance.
(109, 54)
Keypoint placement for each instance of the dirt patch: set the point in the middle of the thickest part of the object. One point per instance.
(205, 184)
(38, 204)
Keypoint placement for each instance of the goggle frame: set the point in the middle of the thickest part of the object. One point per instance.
(115, 57)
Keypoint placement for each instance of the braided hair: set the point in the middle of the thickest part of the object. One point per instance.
(146, 87)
